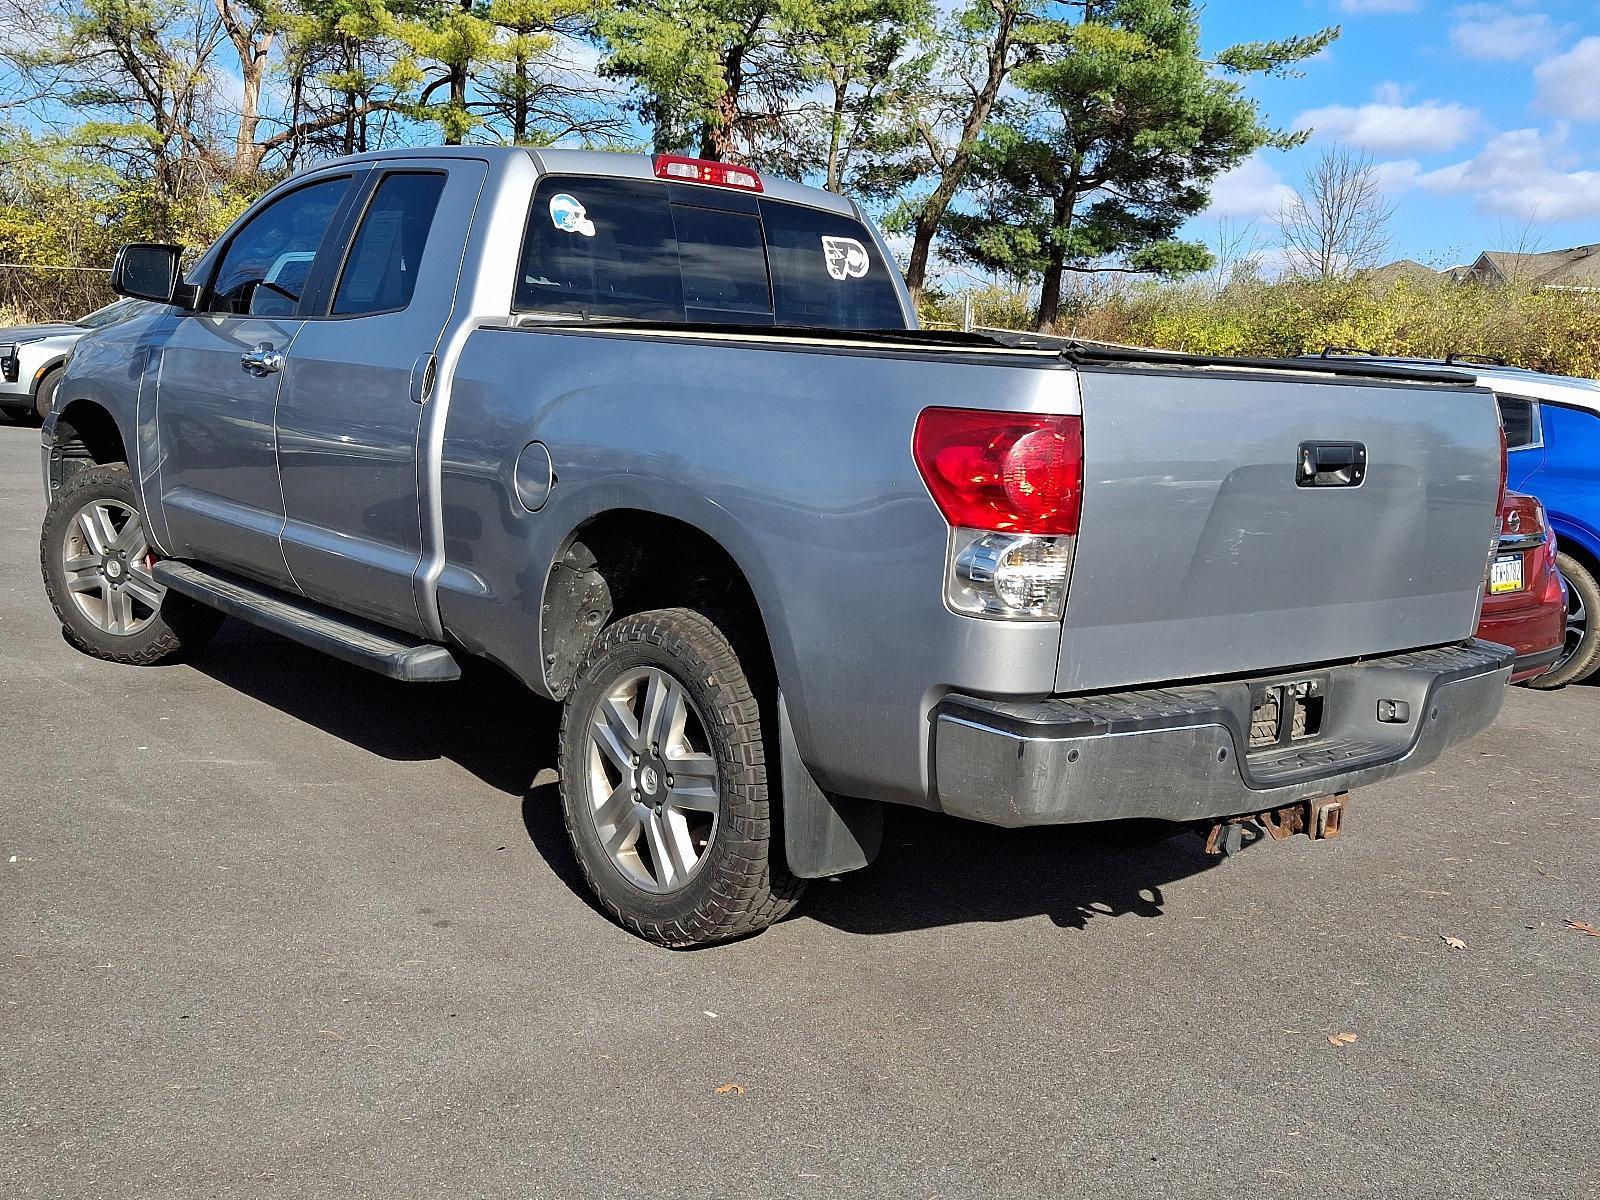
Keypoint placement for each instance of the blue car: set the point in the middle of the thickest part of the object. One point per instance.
(1552, 425)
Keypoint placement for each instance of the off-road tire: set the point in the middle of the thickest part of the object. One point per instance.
(45, 394)
(181, 625)
(743, 885)
(1586, 659)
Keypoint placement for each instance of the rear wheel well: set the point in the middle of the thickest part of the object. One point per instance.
(630, 561)
(86, 435)
(1577, 550)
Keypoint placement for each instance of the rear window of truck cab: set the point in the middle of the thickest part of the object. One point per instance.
(685, 252)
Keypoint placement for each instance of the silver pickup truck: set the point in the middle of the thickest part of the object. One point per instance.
(660, 438)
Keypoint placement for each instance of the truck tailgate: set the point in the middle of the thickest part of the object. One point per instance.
(1201, 555)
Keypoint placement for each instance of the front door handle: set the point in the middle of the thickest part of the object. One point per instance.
(263, 360)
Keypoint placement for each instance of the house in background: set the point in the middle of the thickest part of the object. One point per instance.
(1575, 270)
(1405, 269)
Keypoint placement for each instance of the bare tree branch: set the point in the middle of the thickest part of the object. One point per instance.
(1338, 223)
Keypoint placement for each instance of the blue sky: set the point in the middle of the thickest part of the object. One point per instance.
(1484, 119)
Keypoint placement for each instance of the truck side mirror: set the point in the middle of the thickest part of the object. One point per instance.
(149, 271)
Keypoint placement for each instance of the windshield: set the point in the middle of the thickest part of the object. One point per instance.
(117, 310)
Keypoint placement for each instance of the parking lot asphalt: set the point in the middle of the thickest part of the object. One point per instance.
(271, 926)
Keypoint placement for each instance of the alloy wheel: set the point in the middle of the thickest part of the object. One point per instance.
(106, 560)
(653, 782)
(1577, 626)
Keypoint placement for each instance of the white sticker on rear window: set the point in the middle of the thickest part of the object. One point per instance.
(846, 257)
(567, 215)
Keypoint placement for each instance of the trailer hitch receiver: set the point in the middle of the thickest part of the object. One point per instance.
(1318, 818)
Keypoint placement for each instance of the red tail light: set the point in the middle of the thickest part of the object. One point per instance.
(701, 170)
(1008, 472)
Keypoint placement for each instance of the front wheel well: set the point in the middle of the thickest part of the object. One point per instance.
(86, 435)
(630, 561)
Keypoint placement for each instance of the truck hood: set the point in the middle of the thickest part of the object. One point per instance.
(32, 333)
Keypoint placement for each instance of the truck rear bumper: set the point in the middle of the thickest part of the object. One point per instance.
(1187, 753)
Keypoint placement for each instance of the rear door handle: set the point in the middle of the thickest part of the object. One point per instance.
(263, 360)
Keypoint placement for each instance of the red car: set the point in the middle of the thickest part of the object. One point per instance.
(1525, 603)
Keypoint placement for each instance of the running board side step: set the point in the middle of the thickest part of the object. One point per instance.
(386, 651)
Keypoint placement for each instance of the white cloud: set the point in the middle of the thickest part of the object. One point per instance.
(1396, 176)
(1524, 174)
(1250, 191)
(1489, 33)
(1379, 6)
(1390, 126)
(1567, 82)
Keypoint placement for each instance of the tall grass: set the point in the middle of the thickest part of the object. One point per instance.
(1552, 331)
(1546, 330)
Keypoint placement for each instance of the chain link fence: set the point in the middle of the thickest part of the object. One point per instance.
(30, 293)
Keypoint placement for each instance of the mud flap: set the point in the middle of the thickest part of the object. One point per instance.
(822, 835)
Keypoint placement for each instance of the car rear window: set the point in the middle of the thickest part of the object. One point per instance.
(637, 248)
(1521, 420)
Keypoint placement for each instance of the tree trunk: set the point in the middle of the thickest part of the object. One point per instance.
(841, 91)
(716, 139)
(253, 44)
(458, 85)
(246, 155)
(1062, 213)
(932, 215)
(458, 100)
(1050, 292)
(519, 110)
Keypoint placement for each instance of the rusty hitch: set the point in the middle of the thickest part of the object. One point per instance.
(1318, 818)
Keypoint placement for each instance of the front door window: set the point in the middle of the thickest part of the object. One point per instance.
(264, 270)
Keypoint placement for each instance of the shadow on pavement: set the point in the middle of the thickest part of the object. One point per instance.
(933, 870)
(937, 870)
(487, 722)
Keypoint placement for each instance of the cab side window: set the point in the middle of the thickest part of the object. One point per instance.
(381, 273)
(1521, 419)
(264, 269)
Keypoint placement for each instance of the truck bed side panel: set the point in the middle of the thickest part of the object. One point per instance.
(798, 462)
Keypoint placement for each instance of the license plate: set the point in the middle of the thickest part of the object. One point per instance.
(1506, 575)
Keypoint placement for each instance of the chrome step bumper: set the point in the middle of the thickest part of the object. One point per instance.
(1183, 753)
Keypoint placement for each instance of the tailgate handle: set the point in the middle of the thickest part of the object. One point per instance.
(1331, 464)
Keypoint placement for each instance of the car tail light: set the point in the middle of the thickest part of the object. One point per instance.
(1011, 487)
(703, 170)
(1008, 472)
(1544, 560)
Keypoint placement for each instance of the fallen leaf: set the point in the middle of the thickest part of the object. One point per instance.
(1454, 943)
(1583, 927)
(731, 1089)
(1341, 1039)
